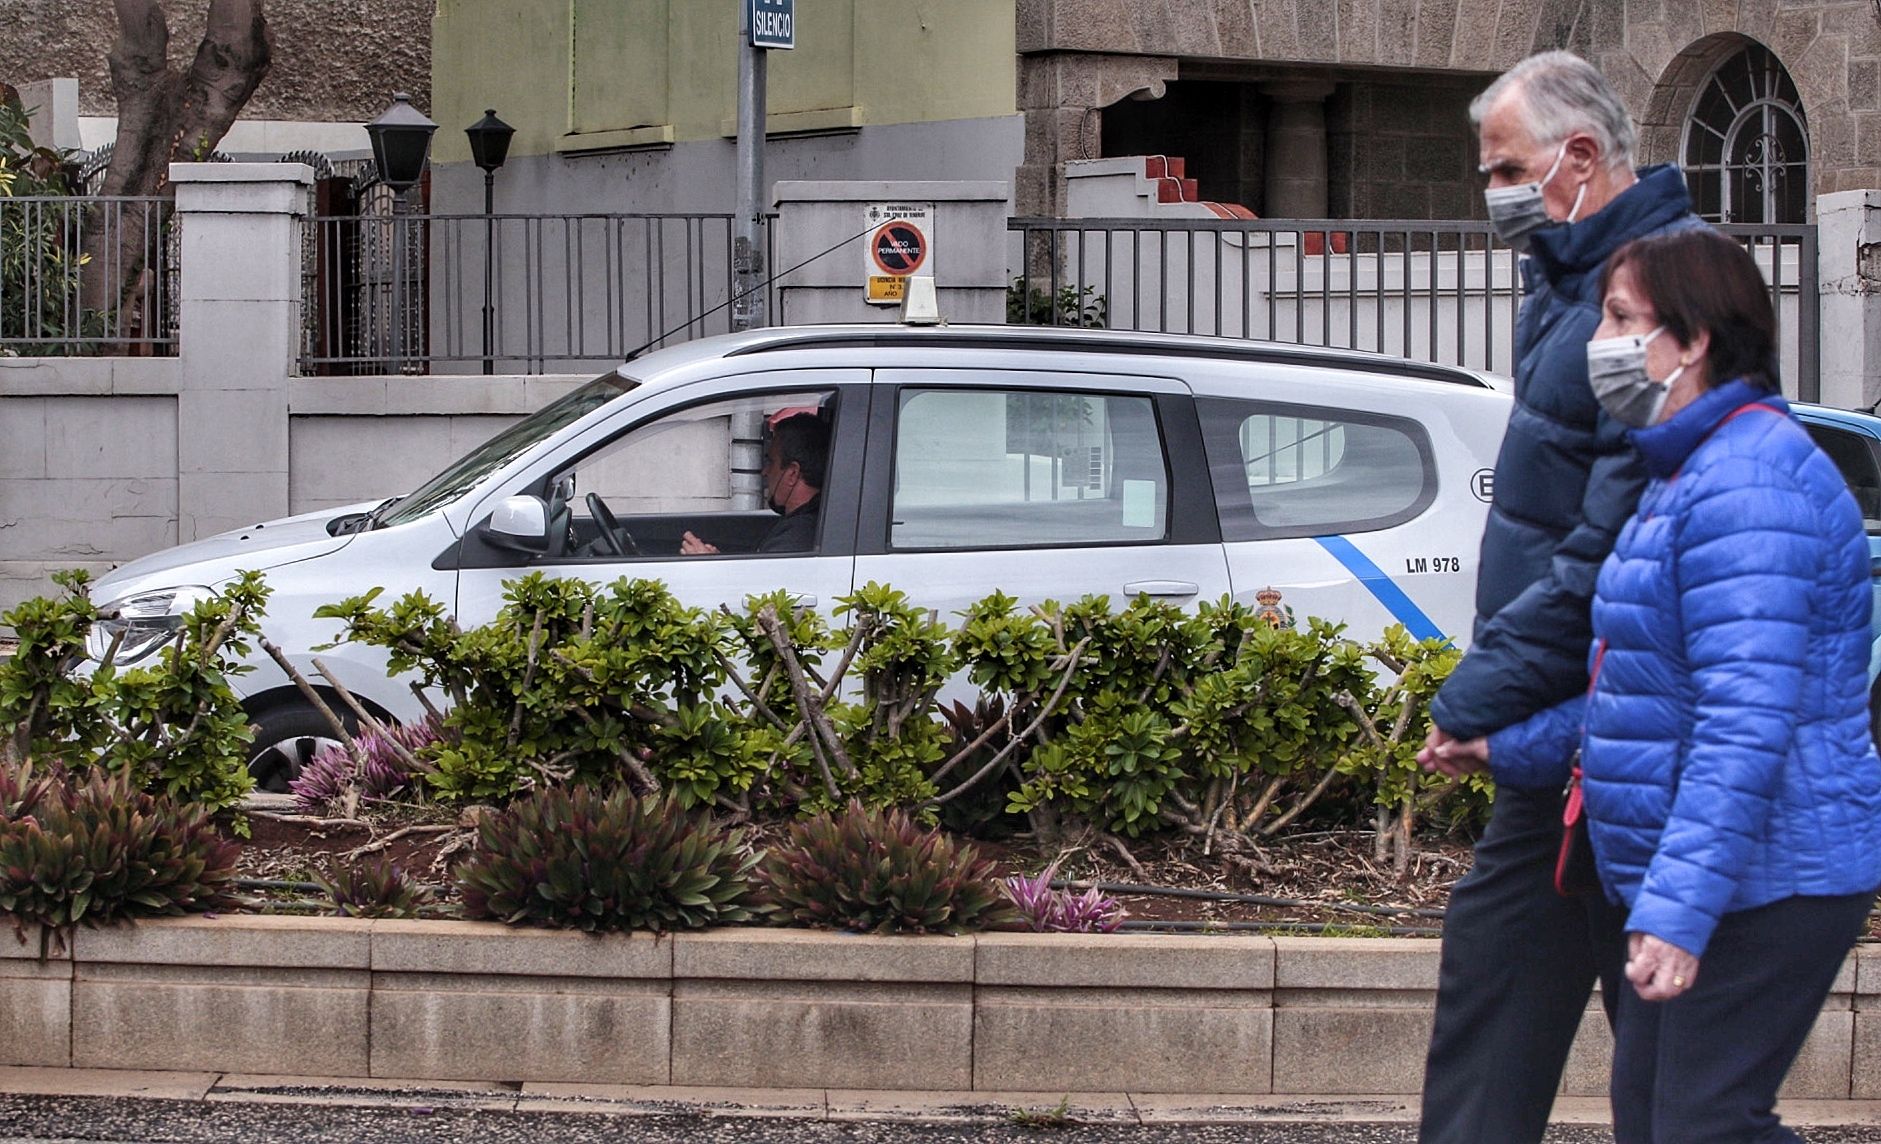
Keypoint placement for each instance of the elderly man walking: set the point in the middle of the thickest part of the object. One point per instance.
(1519, 960)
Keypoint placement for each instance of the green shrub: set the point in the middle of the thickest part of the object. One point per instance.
(100, 850)
(879, 872)
(582, 859)
(374, 888)
(172, 722)
(1226, 724)
(1070, 306)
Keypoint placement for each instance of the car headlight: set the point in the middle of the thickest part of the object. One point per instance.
(142, 623)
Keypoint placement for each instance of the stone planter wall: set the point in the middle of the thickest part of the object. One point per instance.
(782, 1009)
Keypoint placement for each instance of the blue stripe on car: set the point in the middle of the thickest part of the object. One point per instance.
(1383, 587)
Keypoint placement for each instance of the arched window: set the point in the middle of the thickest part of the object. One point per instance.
(1747, 143)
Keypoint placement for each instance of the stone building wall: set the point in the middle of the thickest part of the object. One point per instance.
(334, 60)
(1403, 149)
(1080, 56)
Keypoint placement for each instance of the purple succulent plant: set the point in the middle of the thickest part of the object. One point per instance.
(326, 777)
(1049, 910)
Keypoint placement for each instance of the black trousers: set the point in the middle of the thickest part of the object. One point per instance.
(1519, 962)
(1705, 1066)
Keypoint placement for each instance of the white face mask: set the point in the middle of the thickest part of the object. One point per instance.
(1519, 211)
(1616, 370)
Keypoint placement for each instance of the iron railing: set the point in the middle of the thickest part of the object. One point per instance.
(1442, 291)
(509, 293)
(66, 275)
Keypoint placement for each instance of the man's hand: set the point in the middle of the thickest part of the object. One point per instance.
(1445, 754)
(690, 545)
(1658, 969)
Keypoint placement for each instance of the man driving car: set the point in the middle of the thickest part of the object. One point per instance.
(794, 461)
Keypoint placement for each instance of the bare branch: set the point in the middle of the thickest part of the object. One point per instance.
(310, 695)
(1044, 712)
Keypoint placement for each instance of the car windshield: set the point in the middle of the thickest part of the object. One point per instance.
(499, 450)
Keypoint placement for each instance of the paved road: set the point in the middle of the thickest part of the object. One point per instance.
(59, 1120)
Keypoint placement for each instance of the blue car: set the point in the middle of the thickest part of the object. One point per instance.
(1853, 442)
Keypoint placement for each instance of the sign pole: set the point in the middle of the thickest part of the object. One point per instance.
(749, 311)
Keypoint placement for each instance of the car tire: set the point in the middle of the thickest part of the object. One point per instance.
(287, 737)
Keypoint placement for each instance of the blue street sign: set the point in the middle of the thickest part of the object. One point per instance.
(773, 23)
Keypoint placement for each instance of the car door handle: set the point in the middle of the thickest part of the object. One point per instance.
(1874, 567)
(1161, 588)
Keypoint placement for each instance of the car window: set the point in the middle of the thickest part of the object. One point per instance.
(988, 468)
(1854, 455)
(700, 470)
(505, 447)
(1283, 470)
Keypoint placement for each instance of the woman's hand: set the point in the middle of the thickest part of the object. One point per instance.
(1658, 969)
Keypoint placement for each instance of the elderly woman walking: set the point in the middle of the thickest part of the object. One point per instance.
(1732, 792)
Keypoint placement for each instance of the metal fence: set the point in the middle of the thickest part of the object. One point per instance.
(88, 275)
(424, 293)
(1437, 290)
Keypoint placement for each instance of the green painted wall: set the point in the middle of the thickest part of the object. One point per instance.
(625, 72)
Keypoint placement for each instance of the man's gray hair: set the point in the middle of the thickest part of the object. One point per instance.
(1562, 94)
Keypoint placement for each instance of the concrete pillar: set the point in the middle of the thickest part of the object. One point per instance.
(1295, 183)
(238, 338)
(52, 107)
(966, 256)
(1848, 267)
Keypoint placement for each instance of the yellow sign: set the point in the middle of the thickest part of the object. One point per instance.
(886, 289)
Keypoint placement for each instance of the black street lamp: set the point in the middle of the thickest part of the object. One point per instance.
(401, 146)
(401, 143)
(489, 146)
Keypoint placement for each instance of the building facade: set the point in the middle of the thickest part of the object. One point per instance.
(1292, 108)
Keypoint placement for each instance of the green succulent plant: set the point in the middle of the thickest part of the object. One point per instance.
(101, 850)
(374, 888)
(583, 859)
(879, 872)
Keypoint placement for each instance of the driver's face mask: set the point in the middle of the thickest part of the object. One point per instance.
(774, 473)
(1519, 211)
(1616, 370)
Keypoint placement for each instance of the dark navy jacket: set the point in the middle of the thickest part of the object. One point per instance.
(1725, 746)
(1566, 479)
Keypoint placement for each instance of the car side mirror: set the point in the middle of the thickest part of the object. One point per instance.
(520, 524)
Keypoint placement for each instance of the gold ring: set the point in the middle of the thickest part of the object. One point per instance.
(1678, 982)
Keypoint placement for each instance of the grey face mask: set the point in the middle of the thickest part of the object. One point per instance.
(1616, 370)
(1519, 211)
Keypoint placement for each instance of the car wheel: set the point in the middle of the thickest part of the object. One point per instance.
(287, 737)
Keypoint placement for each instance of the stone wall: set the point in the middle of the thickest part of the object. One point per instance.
(336, 60)
(1403, 149)
(1078, 57)
(787, 1009)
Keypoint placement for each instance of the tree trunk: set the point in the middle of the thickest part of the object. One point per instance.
(165, 116)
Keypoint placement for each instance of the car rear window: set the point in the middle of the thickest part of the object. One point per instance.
(1290, 470)
(988, 468)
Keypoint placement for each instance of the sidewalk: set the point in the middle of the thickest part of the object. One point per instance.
(1039, 1109)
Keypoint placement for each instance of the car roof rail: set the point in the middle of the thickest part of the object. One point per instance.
(1047, 339)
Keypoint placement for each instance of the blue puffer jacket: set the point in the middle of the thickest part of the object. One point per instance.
(1565, 480)
(1725, 752)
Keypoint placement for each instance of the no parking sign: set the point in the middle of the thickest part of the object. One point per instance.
(899, 243)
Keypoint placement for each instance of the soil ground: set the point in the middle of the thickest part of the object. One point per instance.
(1328, 879)
(1330, 874)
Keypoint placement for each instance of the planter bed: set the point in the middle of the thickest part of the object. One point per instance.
(771, 1008)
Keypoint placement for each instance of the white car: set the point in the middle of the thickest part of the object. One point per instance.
(1043, 462)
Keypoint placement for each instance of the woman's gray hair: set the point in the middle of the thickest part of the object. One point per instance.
(1561, 94)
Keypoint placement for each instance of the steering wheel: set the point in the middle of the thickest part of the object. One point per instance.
(614, 540)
